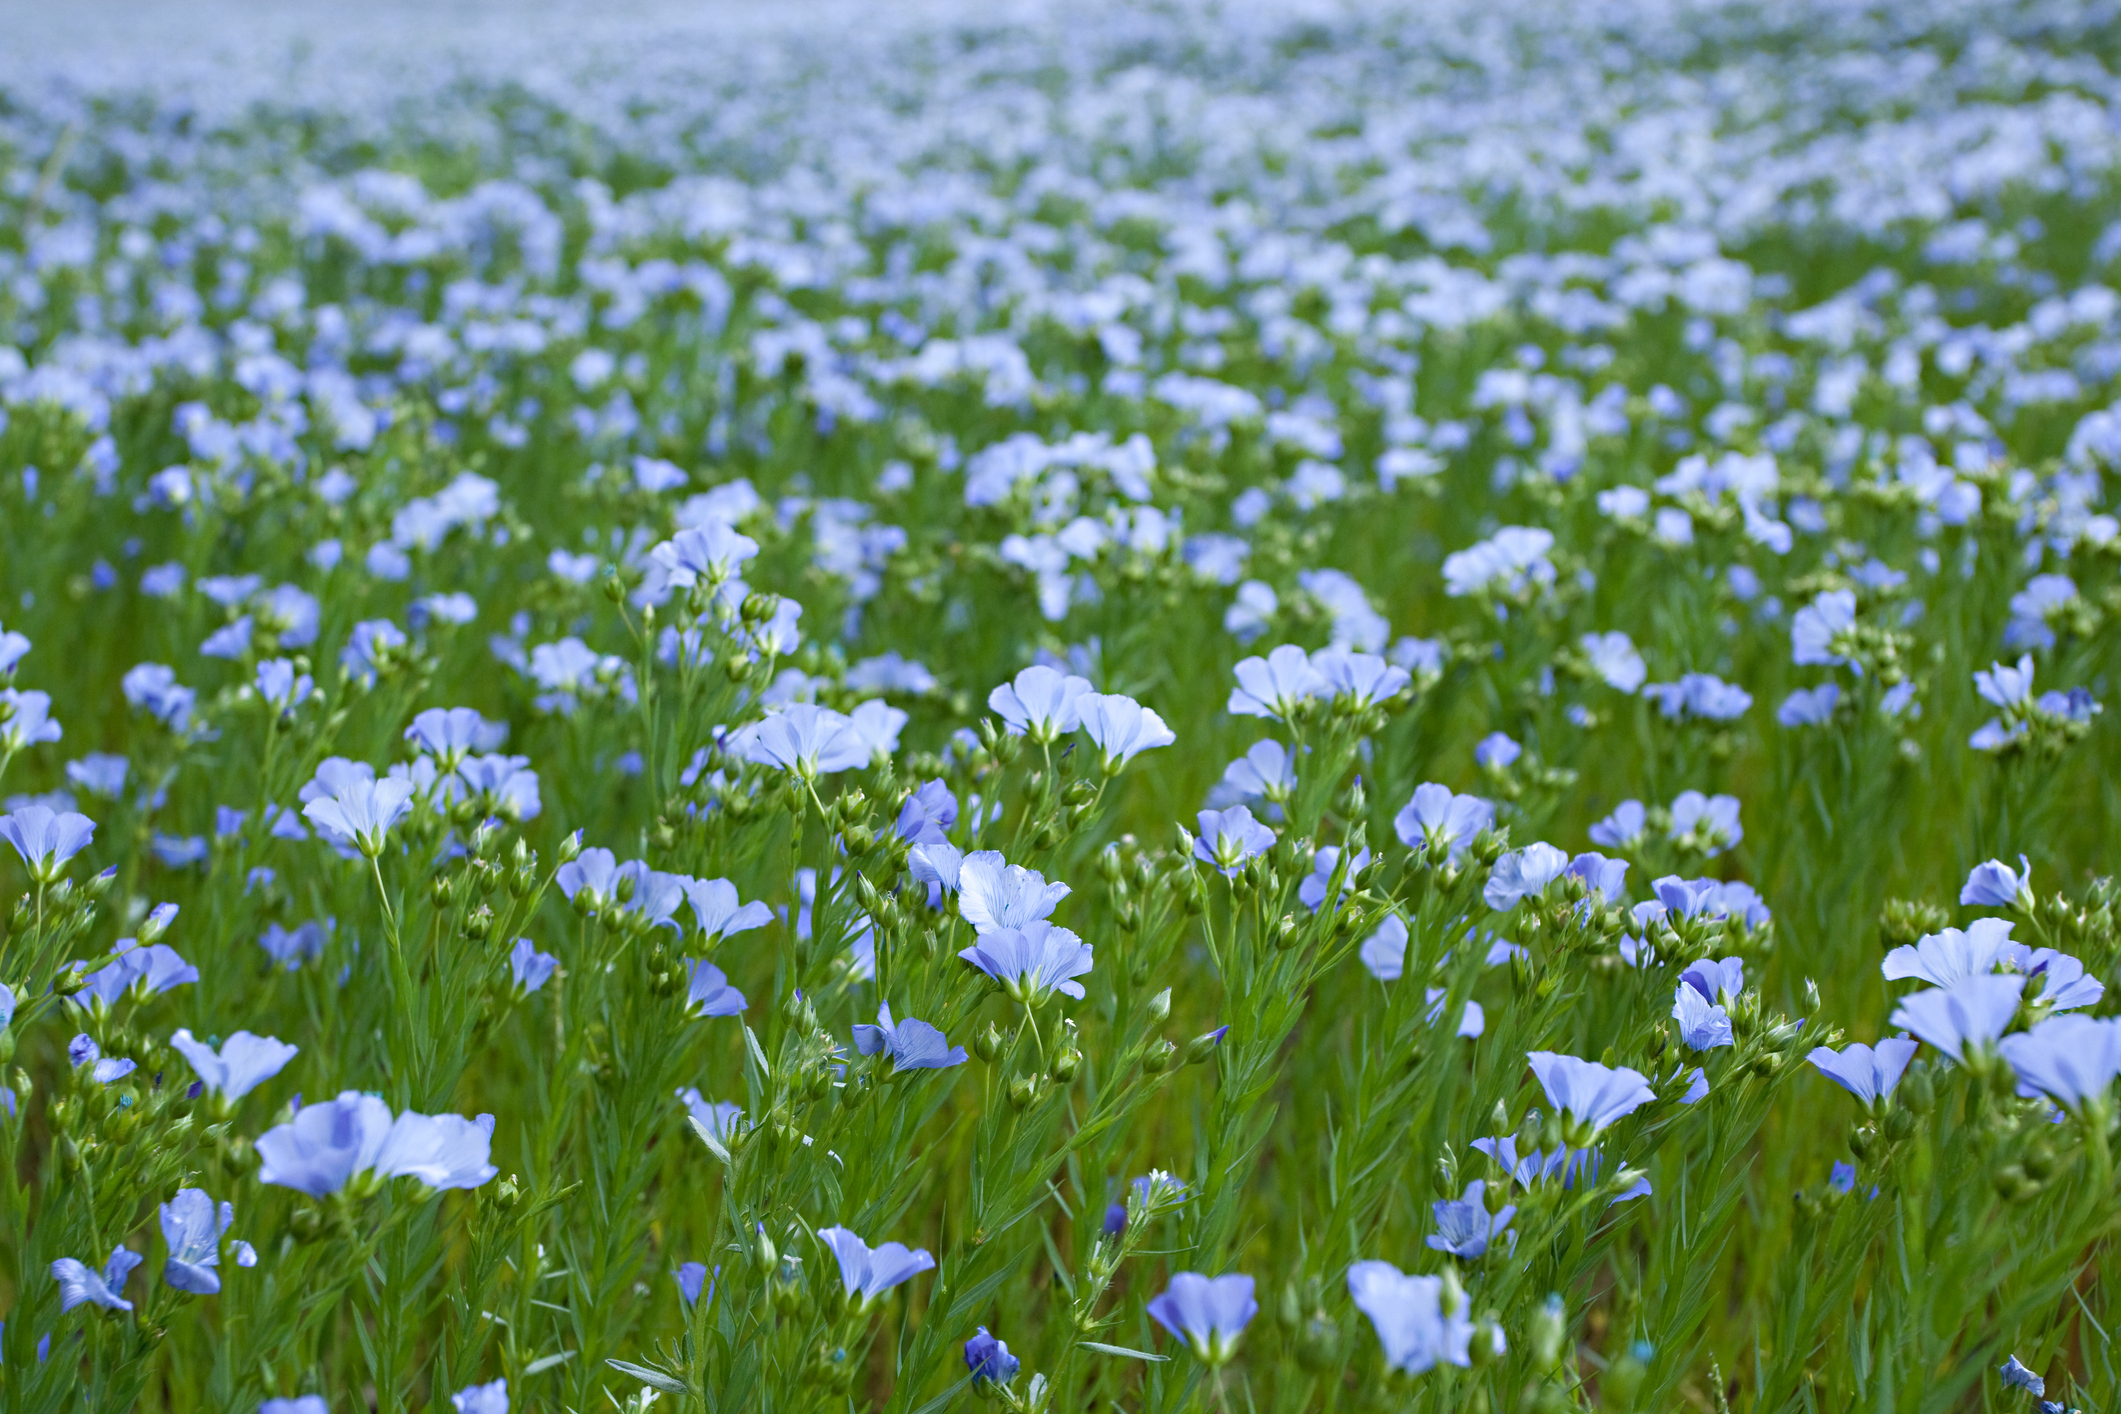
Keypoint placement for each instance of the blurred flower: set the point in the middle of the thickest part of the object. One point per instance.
(1208, 1313)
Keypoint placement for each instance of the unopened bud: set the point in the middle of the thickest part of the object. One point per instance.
(988, 1043)
(1160, 1007)
(1201, 1047)
(1159, 1057)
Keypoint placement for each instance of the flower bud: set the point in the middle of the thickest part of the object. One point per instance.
(1286, 933)
(1159, 1057)
(571, 847)
(1065, 1063)
(1918, 1092)
(1203, 1046)
(1899, 1124)
(1160, 1007)
(1318, 1346)
(1624, 1377)
(1023, 1089)
(988, 1043)
(764, 1255)
(1549, 1333)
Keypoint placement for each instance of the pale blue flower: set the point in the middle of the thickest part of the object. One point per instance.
(1867, 1072)
(45, 838)
(192, 1227)
(25, 721)
(1042, 702)
(78, 1284)
(1465, 1227)
(1208, 1313)
(1121, 727)
(1712, 821)
(482, 1399)
(1816, 628)
(2017, 1375)
(1230, 837)
(1809, 707)
(911, 1044)
(717, 910)
(1969, 1013)
(1941, 959)
(1358, 680)
(1496, 752)
(803, 739)
(244, 1062)
(870, 1272)
(1407, 1313)
(1595, 1095)
(2069, 1059)
(1522, 872)
(530, 968)
(1997, 885)
(1614, 659)
(362, 812)
(1277, 685)
(1623, 829)
(1703, 1025)
(1437, 818)
(1032, 960)
(994, 894)
(711, 993)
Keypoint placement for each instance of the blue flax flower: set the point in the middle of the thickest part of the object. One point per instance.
(530, 968)
(46, 838)
(328, 1144)
(1437, 819)
(1208, 1313)
(1867, 1072)
(1594, 1095)
(1042, 702)
(2069, 1059)
(989, 1360)
(193, 1227)
(1121, 728)
(1276, 685)
(716, 908)
(244, 1062)
(994, 894)
(724, 1119)
(361, 812)
(1032, 960)
(302, 1404)
(1971, 1013)
(711, 993)
(1941, 959)
(78, 1283)
(1230, 837)
(2017, 1375)
(804, 739)
(482, 1399)
(1997, 885)
(692, 1278)
(1703, 1025)
(153, 970)
(1624, 828)
(1465, 1227)
(1407, 1312)
(871, 1271)
(1522, 872)
(911, 1044)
